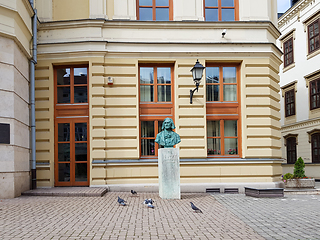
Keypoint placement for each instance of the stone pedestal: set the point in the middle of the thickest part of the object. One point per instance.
(169, 173)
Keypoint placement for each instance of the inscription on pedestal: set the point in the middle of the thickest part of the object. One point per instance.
(169, 173)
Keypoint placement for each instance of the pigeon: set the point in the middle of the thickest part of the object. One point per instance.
(197, 210)
(121, 201)
(150, 205)
(147, 201)
(133, 192)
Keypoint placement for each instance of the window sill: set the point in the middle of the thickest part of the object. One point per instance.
(287, 68)
(311, 55)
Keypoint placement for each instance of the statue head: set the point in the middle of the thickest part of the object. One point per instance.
(168, 123)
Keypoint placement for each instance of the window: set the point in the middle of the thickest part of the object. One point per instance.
(72, 85)
(288, 52)
(222, 137)
(156, 103)
(290, 103)
(154, 10)
(291, 150)
(313, 36)
(221, 84)
(222, 95)
(221, 10)
(315, 142)
(315, 94)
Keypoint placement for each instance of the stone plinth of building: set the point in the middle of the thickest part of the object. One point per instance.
(169, 173)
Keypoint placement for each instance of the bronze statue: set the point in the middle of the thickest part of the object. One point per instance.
(167, 137)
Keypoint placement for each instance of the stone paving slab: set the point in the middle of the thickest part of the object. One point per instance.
(68, 192)
(33, 217)
(291, 217)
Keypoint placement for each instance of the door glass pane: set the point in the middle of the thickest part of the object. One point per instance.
(164, 93)
(229, 75)
(146, 93)
(63, 76)
(145, 2)
(160, 126)
(162, 14)
(211, 14)
(80, 151)
(80, 75)
(63, 152)
(212, 75)
(211, 3)
(64, 172)
(230, 146)
(63, 94)
(213, 93)
(147, 147)
(147, 129)
(63, 132)
(80, 131)
(230, 93)
(227, 3)
(164, 75)
(230, 128)
(145, 14)
(213, 128)
(80, 94)
(227, 14)
(214, 146)
(162, 3)
(80, 172)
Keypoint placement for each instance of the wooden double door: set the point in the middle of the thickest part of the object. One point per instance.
(71, 152)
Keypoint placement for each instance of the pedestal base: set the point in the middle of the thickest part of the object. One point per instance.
(169, 173)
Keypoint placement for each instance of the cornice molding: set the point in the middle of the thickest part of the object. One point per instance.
(301, 124)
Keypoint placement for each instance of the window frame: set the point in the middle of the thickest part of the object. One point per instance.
(291, 149)
(155, 111)
(225, 110)
(154, 7)
(317, 94)
(219, 7)
(316, 136)
(313, 37)
(286, 53)
(290, 106)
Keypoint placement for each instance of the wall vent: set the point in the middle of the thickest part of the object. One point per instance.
(231, 190)
(213, 190)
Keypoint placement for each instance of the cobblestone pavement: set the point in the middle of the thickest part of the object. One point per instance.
(31, 217)
(291, 217)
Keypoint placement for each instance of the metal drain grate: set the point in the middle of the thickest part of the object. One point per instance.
(213, 190)
(231, 190)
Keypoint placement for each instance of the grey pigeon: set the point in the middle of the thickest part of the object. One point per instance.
(150, 205)
(121, 201)
(197, 210)
(147, 201)
(133, 192)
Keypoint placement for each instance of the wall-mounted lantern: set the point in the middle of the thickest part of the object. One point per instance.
(197, 72)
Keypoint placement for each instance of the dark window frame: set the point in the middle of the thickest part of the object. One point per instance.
(314, 86)
(314, 38)
(288, 52)
(290, 104)
(291, 150)
(315, 140)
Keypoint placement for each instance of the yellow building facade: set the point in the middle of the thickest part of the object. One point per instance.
(109, 72)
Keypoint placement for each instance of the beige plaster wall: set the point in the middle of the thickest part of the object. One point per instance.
(67, 10)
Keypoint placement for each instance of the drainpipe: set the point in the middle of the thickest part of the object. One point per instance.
(32, 98)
